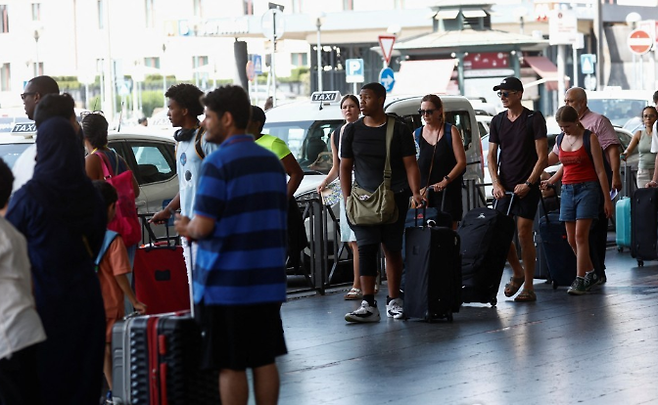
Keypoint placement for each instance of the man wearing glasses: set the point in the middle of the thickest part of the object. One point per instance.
(34, 91)
(521, 136)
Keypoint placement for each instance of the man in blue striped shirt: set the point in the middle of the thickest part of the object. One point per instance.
(239, 277)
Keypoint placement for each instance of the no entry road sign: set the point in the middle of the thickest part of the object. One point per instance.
(639, 41)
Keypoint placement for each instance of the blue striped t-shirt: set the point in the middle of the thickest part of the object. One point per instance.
(243, 188)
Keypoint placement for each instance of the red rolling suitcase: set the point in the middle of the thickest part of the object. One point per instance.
(160, 274)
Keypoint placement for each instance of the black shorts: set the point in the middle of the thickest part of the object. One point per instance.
(525, 207)
(389, 234)
(240, 337)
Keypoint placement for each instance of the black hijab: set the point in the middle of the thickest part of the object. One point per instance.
(60, 178)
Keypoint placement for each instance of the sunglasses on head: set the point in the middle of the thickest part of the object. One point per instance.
(83, 114)
(505, 94)
(426, 112)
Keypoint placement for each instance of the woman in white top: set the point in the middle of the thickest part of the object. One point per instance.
(21, 328)
(642, 139)
(349, 106)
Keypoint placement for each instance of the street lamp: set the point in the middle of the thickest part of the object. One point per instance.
(319, 20)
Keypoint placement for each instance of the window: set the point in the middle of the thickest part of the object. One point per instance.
(248, 7)
(154, 162)
(198, 61)
(5, 77)
(299, 59)
(36, 11)
(38, 69)
(4, 19)
(152, 62)
(149, 13)
(101, 14)
(197, 8)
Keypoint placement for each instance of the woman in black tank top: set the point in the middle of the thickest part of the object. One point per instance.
(442, 159)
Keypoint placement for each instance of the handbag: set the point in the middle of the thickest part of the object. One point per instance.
(378, 207)
(125, 221)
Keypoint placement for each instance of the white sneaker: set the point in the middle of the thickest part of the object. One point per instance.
(394, 309)
(365, 313)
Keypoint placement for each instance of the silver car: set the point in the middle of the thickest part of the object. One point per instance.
(150, 155)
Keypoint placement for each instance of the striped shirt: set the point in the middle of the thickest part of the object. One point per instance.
(243, 189)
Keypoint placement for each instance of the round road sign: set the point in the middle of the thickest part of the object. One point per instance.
(639, 41)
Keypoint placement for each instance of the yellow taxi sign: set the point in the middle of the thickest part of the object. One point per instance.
(325, 97)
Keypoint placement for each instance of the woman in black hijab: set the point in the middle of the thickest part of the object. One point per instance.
(63, 219)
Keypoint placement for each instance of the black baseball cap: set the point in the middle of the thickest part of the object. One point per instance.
(510, 83)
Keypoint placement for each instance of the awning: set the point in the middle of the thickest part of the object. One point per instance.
(423, 77)
(544, 68)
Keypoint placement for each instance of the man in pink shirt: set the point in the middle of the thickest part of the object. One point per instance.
(576, 97)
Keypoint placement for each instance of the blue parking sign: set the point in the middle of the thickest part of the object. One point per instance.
(387, 79)
(354, 71)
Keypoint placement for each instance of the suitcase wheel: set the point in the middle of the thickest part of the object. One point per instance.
(620, 249)
(449, 316)
(493, 301)
(555, 285)
(640, 263)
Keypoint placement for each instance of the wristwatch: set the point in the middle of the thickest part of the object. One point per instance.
(527, 183)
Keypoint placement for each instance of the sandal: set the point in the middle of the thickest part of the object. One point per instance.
(513, 286)
(354, 294)
(526, 296)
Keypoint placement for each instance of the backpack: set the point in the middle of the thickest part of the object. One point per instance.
(588, 148)
(125, 221)
(447, 132)
(107, 241)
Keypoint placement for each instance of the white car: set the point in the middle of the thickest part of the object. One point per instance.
(151, 157)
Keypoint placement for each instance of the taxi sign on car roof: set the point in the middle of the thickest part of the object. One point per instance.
(23, 128)
(325, 96)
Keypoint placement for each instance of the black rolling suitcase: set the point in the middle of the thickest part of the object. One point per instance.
(486, 235)
(155, 361)
(644, 225)
(433, 272)
(560, 259)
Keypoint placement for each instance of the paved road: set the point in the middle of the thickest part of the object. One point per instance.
(601, 348)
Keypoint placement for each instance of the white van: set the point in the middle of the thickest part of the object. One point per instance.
(306, 127)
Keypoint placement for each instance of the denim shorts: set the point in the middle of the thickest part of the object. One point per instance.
(580, 201)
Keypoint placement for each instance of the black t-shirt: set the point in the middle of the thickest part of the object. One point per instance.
(367, 146)
(518, 154)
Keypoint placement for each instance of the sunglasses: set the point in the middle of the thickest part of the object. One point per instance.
(505, 94)
(649, 116)
(426, 112)
(84, 114)
(27, 93)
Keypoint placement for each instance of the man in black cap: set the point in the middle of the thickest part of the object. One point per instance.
(521, 136)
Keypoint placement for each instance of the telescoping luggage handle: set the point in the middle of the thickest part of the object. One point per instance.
(166, 242)
(424, 205)
(511, 202)
(543, 203)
